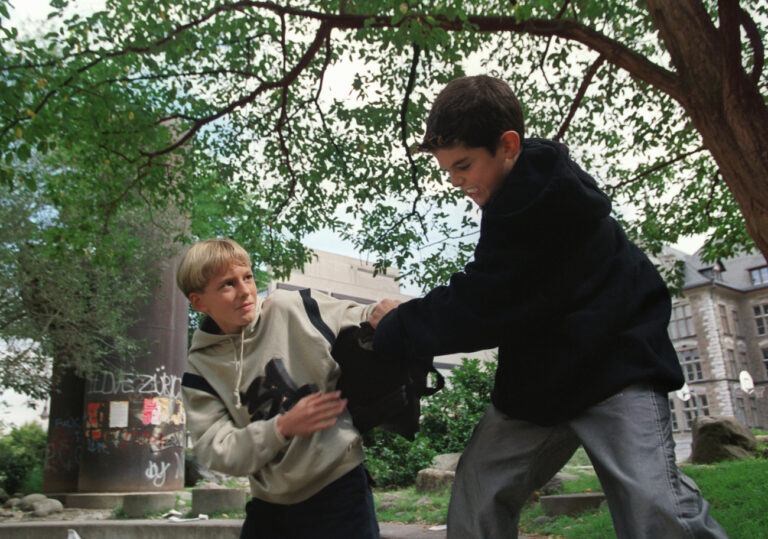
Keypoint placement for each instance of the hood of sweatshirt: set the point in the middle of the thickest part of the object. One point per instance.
(544, 183)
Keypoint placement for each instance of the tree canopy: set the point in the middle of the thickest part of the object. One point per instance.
(282, 118)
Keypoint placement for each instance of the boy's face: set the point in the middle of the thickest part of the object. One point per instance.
(229, 298)
(475, 171)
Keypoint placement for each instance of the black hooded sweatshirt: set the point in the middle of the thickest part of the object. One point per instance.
(577, 310)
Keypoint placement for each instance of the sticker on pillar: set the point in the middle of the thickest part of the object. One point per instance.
(150, 411)
(156, 411)
(96, 415)
(118, 414)
(177, 418)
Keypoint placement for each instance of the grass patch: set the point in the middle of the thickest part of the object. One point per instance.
(738, 492)
(587, 482)
(411, 507)
(594, 524)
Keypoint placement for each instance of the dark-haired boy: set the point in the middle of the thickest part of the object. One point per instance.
(580, 317)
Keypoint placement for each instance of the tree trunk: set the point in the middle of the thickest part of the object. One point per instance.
(724, 104)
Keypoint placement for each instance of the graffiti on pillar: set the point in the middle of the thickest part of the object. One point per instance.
(159, 383)
(64, 443)
(156, 472)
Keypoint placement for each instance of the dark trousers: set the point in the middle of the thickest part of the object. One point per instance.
(628, 438)
(342, 509)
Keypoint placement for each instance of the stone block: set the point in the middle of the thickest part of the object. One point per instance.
(430, 480)
(217, 500)
(43, 508)
(95, 500)
(718, 438)
(571, 504)
(446, 462)
(25, 504)
(138, 505)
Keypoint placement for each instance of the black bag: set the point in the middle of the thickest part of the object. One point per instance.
(382, 393)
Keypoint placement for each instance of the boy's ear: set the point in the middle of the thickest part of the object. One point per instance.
(510, 143)
(196, 301)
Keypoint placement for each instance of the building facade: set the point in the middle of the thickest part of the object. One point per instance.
(719, 327)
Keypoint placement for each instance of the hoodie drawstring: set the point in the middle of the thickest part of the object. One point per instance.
(239, 367)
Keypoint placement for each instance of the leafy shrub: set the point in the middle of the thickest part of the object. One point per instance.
(449, 416)
(394, 461)
(448, 419)
(22, 456)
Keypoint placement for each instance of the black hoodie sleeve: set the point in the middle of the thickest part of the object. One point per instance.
(534, 253)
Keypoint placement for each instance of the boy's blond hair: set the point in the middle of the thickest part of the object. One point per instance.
(205, 260)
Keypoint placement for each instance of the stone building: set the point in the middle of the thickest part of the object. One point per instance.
(719, 328)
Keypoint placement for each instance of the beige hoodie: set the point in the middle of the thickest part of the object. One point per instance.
(251, 378)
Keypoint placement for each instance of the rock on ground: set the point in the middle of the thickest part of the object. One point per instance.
(717, 438)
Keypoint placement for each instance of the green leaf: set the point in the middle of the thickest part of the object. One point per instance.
(29, 182)
(23, 152)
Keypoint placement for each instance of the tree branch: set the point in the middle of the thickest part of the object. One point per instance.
(322, 32)
(579, 96)
(404, 122)
(659, 166)
(758, 51)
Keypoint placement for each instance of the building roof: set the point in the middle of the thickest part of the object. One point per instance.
(733, 272)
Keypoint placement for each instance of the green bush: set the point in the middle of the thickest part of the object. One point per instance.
(22, 457)
(448, 418)
(394, 461)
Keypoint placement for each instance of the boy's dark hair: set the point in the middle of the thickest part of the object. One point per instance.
(473, 111)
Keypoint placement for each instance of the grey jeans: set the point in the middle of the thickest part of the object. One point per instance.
(628, 438)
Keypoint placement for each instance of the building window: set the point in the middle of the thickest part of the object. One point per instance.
(761, 318)
(765, 360)
(736, 323)
(673, 415)
(724, 319)
(681, 324)
(697, 405)
(731, 369)
(759, 275)
(691, 363)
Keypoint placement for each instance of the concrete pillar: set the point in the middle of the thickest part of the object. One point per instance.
(134, 420)
(65, 433)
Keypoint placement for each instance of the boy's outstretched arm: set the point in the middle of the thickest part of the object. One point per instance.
(312, 413)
